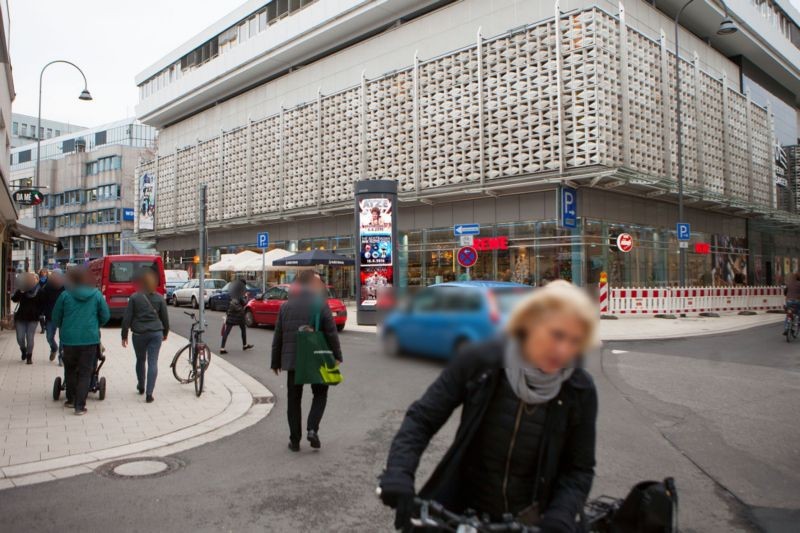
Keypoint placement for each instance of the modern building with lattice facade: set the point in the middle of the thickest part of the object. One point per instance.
(481, 111)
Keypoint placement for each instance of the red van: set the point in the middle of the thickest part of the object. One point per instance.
(114, 276)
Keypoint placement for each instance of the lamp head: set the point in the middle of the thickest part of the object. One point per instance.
(727, 27)
(85, 95)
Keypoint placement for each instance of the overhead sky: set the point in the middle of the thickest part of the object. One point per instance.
(110, 40)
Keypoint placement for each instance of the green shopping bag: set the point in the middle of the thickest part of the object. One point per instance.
(314, 361)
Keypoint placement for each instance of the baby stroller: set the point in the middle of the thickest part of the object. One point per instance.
(96, 383)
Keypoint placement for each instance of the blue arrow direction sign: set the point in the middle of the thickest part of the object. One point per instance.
(684, 231)
(466, 229)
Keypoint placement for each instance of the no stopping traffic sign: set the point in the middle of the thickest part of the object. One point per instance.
(467, 256)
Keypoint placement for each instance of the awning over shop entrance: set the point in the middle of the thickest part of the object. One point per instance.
(25, 232)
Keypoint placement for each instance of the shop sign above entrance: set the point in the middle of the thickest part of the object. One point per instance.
(487, 244)
(467, 256)
(624, 242)
(28, 197)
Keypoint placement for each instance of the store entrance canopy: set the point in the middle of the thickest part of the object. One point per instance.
(25, 232)
(224, 264)
(315, 257)
(254, 264)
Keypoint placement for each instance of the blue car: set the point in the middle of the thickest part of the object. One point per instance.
(220, 300)
(442, 317)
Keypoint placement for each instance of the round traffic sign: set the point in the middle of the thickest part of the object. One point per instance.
(624, 242)
(467, 256)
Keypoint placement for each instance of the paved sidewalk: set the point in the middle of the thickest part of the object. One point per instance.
(645, 328)
(40, 440)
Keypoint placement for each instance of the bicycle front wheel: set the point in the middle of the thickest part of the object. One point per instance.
(202, 361)
(182, 367)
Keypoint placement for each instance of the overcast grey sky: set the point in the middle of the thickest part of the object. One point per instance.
(110, 40)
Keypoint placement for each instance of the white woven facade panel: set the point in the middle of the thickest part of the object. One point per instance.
(165, 192)
(713, 135)
(583, 135)
(341, 144)
(208, 169)
(186, 187)
(520, 101)
(234, 172)
(762, 154)
(689, 123)
(606, 81)
(266, 137)
(300, 133)
(448, 119)
(644, 82)
(738, 131)
(313, 154)
(390, 129)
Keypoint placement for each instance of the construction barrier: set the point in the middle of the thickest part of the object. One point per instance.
(684, 300)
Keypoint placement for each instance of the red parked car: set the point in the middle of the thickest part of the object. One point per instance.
(263, 311)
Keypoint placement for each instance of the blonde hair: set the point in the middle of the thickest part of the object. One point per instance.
(556, 297)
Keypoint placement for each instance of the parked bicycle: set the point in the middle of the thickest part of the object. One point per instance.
(191, 362)
(791, 325)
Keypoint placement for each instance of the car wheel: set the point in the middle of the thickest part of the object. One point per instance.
(249, 319)
(195, 305)
(175, 301)
(391, 345)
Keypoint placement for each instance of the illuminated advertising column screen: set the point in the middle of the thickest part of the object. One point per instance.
(376, 221)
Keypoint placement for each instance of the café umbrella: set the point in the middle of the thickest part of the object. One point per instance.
(314, 258)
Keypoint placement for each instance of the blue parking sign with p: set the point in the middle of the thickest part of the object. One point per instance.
(684, 231)
(569, 207)
(263, 239)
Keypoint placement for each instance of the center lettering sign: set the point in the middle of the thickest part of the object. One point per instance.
(624, 242)
(28, 197)
(487, 244)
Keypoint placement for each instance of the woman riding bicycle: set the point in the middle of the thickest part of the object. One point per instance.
(526, 441)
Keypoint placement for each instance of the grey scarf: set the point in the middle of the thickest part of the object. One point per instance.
(530, 384)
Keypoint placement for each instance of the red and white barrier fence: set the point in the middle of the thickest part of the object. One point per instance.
(680, 300)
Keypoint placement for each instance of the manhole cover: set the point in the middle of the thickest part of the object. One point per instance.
(140, 467)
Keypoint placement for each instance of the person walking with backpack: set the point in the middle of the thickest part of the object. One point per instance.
(147, 316)
(78, 314)
(235, 316)
(26, 315)
(48, 296)
(297, 313)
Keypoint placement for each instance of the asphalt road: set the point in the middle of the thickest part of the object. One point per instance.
(695, 409)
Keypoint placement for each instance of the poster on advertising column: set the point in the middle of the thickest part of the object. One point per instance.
(375, 248)
(147, 202)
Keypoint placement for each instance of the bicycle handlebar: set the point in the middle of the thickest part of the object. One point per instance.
(191, 315)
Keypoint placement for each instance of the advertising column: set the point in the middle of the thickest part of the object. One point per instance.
(376, 234)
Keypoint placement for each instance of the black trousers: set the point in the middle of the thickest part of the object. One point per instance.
(78, 367)
(227, 330)
(294, 401)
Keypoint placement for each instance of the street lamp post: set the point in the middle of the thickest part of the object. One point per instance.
(85, 95)
(726, 27)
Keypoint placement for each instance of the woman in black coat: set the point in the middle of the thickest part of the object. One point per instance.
(526, 442)
(26, 315)
(235, 316)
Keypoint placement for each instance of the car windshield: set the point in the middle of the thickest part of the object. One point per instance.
(124, 271)
(507, 298)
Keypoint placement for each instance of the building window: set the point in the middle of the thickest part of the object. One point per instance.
(24, 130)
(58, 133)
(15, 128)
(49, 132)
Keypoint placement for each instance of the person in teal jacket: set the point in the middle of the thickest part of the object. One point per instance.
(79, 312)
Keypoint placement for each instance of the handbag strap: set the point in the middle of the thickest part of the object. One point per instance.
(316, 310)
(147, 299)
